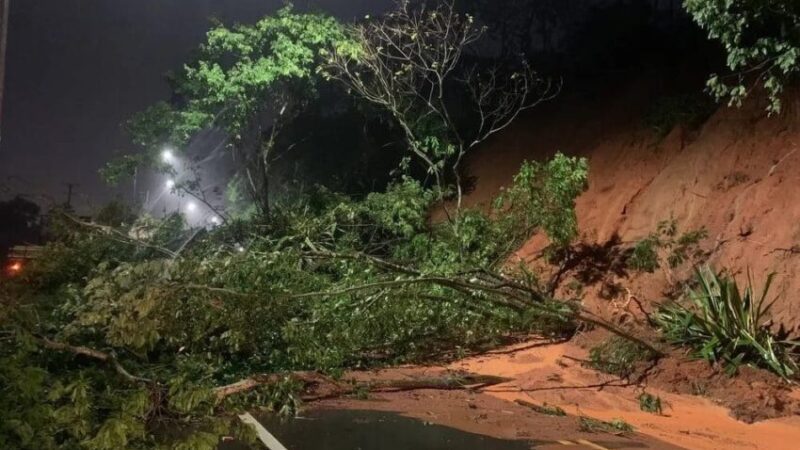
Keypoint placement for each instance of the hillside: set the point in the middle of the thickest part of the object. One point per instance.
(736, 175)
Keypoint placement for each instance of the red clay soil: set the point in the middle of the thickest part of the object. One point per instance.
(487, 414)
(548, 373)
(737, 176)
(751, 395)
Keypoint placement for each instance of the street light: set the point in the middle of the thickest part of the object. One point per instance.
(191, 207)
(215, 220)
(167, 156)
(170, 184)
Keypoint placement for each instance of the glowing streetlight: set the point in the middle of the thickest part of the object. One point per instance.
(167, 156)
(215, 220)
(170, 184)
(191, 207)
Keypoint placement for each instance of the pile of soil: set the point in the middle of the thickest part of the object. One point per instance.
(750, 394)
(483, 413)
(547, 373)
(737, 176)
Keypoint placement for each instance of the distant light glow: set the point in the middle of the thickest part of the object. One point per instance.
(170, 184)
(240, 248)
(15, 267)
(215, 220)
(191, 207)
(167, 156)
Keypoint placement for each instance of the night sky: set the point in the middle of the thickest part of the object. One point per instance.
(77, 69)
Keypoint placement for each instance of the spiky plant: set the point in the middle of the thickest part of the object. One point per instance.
(729, 325)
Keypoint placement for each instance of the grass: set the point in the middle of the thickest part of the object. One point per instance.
(615, 426)
(549, 410)
(699, 388)
(618, 356)
(650, 403)
(726, 324)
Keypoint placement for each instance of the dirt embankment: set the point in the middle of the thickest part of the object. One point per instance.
(737, 176)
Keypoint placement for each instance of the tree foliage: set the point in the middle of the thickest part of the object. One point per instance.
(523, 27)
(411, 63)
(543, 197)
(247, 80)
(117, 333)
(138, 333)
(19, 224)
(762, 42)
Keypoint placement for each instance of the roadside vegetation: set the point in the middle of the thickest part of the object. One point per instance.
(762, 44)
(619, 356)
(650, 403)
(688, 110)
(615, 426)
(138, 332)
(725, 324)
(136, 325)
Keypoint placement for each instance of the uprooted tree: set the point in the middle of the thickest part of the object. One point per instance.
(150, 335)
(114, 335)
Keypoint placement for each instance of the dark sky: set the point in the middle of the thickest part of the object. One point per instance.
(76, 69)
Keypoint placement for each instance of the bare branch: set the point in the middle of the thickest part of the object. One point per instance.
(94, 354)
(408, 63)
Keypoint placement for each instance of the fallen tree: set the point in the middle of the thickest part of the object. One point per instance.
(318, 387)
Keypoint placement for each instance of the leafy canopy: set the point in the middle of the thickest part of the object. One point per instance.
(327, 284)
(762, 41)
(239, 77)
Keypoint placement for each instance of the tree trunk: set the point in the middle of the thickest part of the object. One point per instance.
(320, 387)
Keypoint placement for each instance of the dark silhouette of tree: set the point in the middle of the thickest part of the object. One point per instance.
(19, 224)
(524, 26)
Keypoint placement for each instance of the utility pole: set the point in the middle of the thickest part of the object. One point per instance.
(68, 204)
(4, 11)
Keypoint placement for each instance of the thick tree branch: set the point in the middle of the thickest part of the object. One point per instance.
(321, 387)
(94, 354)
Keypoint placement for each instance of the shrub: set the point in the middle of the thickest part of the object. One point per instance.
(726, 324)
(666, 248)
(618, 356)
(542, 196)
(644, 255)
(650, 403)
(690, 110)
